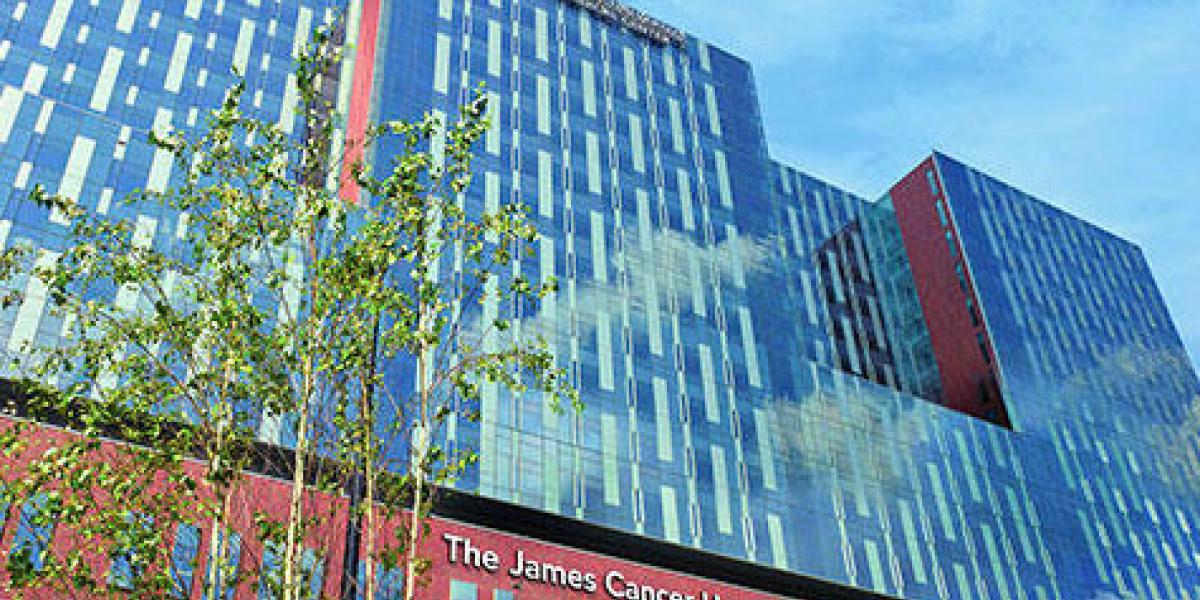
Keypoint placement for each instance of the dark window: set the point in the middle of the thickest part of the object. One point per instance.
(183, 560)
(229, 570)
(951, 245)
(983, 348)
(271, 575)
(35, 529)
(127, 567)
(975, 320)
(389, 583)
(312, 570)
(941, 212)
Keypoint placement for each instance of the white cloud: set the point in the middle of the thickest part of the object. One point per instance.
(1092, 105)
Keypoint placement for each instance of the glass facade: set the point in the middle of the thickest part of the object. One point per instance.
(751, 344)
(83, 83)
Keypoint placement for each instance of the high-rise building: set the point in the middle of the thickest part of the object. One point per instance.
(957, 391)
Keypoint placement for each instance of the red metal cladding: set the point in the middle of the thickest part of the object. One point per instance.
(261, 495)
(477, 558)
(947, 294)
(493, 561)
(360, 95)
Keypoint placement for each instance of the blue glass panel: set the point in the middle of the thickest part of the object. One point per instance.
(462, 590)
(183, 559)
(229, 568)
(35, 529)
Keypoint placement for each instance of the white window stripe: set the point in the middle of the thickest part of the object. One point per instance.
(287, 111)
(494, 41)
(734, 256)
(676, 117)
(192, 10)
(695, 277)
(543, 105)
(762, 428)
(245, 41)
(778, 547)
(545, 184)
(723, 179)
(43, 118)
(160, 165)
(612, 480)
(585, 29)
(631, 82)
(34, 78)
(129, 11)
(107, 79)
(71, 184)
(670, 510)
(178, 64)
(662, 417)
(635, 142)
(599, 254)
(55, 23)
(714, 116)
(712, 410)
(685, 199)
(29, 316)
(750, 347)
(441, 64)
(604, 349)
(542, 34)
(492, 142)
(721, 490)
(22, 178)
(593, 158)
(303, 30)
(10, 105)
(588, 74)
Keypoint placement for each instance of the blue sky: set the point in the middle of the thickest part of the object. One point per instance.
(1091, 105)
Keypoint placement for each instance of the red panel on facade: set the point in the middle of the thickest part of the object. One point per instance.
(532, 569)
(947, 296)
(259, 495)
(360, 96)
(468, 557)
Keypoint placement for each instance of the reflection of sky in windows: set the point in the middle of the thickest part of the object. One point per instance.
(694, 310)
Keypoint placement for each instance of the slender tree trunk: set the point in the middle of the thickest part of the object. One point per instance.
(414, 535)
(368, 471)
(291, 556)
(218, 543)
(418, 459)
(369, 523)
(216, 552)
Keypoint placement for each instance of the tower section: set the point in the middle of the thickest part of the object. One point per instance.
(961, 342)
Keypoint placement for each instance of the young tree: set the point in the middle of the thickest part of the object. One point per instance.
(281, 308)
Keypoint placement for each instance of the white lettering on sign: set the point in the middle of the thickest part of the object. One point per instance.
(471, 555)
(552, 574)
(460, 550)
